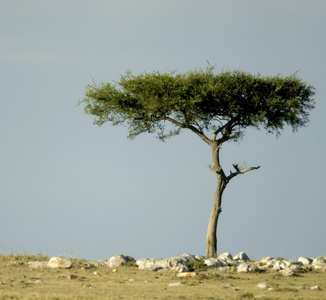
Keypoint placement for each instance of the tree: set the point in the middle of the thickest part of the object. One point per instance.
(218, 108)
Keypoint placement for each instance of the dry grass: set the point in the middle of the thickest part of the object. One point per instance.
(19, 281)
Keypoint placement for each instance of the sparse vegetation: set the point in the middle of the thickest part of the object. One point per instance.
(18, 280)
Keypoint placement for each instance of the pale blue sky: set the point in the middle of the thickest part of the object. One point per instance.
(70, 188)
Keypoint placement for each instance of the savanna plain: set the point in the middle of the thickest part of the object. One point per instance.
(85, 281)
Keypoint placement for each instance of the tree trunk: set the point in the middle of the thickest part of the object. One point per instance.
(211, 239)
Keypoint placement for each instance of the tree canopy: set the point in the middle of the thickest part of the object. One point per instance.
(223, 104)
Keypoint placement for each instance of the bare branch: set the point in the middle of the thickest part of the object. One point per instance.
(238, 171)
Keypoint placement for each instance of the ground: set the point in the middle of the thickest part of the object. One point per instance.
(82, 281)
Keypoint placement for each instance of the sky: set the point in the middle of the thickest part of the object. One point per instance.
(68, 187)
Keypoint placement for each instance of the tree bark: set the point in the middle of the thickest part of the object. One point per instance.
(222, 182)
(211, 239)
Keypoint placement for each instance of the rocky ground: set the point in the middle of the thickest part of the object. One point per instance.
(123, 277)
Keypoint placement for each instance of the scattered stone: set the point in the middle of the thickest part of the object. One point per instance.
(175, 284)
(131, 279)
(226, 256)
(117, 260)
(187, 274)
(305, 260)
(215, 262)
(316, 287)
(263, 285)
(319, 263)
(36, 282)
(59, 262)
(242, 256)
(245, 267)
(37, 264)
(72, 276)
(286, 272)
(176, 263)
(114, 270)
(319, 260)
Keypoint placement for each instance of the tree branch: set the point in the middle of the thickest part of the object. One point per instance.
(192, 128)
(238, 171)
(226, 129)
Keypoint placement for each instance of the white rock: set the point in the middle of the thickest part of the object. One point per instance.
(176, 263)
(215, 262)
(305, 260)
(242, 256)
(226, 256)
(37, 264)
(263, 285)
(319, 262)
(59, 262)
(286, 272)
(117, 260)
(175, 284)
(245, 267)
(265, 260)
(316, 287)
(37, 282)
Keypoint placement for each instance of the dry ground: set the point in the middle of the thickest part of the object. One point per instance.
(19, 281)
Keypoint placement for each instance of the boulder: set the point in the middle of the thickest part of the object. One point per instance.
(59, 262)
(175, 263)
(267, 262)
(319, 262)
(247, 268)
(305, 260)
(117, 260)
(242, 256)
(225, 256)
(215, 262)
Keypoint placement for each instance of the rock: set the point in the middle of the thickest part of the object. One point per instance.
(286, 272)
(36, 282)
(215, 262)
(175, 284)
(244, 267)
(267, 262)
(117, 260)
(241, 257)
(316, 287)
(225, 256)
(37, 264)
(59, 262)
(263, 285)
(305, 260)
(190, 257)
(175, 263)
(187, 274)
(319, 262)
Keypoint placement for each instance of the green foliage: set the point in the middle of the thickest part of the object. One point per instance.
(197, 265)
(129, 264)
(202, 101)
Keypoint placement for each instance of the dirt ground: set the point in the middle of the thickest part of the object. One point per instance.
(19, 281)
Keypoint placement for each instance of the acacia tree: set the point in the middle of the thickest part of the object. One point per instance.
(218, 108)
